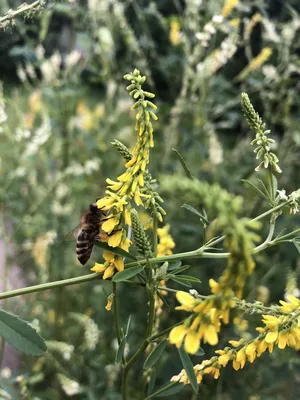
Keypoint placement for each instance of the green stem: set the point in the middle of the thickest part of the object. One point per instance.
(116, 312)
(154, 235)
(144, 345)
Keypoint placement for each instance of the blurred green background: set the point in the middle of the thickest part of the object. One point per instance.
(63, 100)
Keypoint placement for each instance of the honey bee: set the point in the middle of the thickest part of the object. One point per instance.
(88, 231)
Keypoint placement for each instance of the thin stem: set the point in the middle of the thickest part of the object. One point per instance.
(116, 312)
(154, 236)
(144, 345)
(21, 10)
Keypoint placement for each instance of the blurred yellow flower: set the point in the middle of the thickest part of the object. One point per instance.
(228, 7)
(174, 36)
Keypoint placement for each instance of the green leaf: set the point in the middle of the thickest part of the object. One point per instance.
(151, 382)
(120, 351)
(172, 390)
(128, 325)
(127, 274)
(155, 354)
(174, 265)
(194, 211)
(183, 163)
(189, 369)
(187, 278)
(21, 335)
(188, 285)
(181, 269)
(115, 250)
(255, 188)
(297, 245)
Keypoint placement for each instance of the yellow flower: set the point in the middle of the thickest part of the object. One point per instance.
(271, 336)
(223, 359)
(110, 224)
(241, 357)
(191, 342)
(270, 321)
(175, 32)
(98, 268)
(228, 6)
(115, 239)
(186, 300)
(282, 339)
(108, 273)
(210, 335)
(109, 303)
(177, 335)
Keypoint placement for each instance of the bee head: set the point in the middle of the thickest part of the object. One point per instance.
(93, 207)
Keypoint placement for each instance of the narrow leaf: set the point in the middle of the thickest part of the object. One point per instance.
(188, 285)
(183, 163)
(194, 211)
(155, 354)
(255, 188)
(297, 245)
(115, 250)
(21, 335)
(164, 300)
(127, 274)
(174, 265)
(128, 325)
(181, 269)
(151, 381)
(189, 369)
(121, 348)
(172, 390)
(187, 278)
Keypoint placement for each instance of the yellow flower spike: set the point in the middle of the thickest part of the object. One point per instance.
(115, 239)
(271, 336)
(282, 339)
(177, 335)
(210, 335)
(119, 263)
(109, 272)
(191, 342)
(186, 299)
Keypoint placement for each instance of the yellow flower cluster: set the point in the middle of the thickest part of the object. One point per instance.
(174, 35)
(282, 330)
(88, 119)
(166, 243)
(204, 324)
(129, 185)
(256, 62)
(112, 263)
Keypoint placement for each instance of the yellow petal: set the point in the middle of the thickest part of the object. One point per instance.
(127, 217)
(115, 239)
(185, 298)
(191, 342)
(109, 225)
(251, 348)
(109, 304)
(119, 263)
(282, 340)
(108, 272)
(108, 255)
(271, 336)
(98, 268)
(177, 334)
(210, 335)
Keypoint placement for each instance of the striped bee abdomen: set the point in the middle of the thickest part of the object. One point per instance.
(85, 242)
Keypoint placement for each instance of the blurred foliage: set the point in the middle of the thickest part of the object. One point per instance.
(63, 103)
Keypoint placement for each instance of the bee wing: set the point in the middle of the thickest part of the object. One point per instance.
(73, 234)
